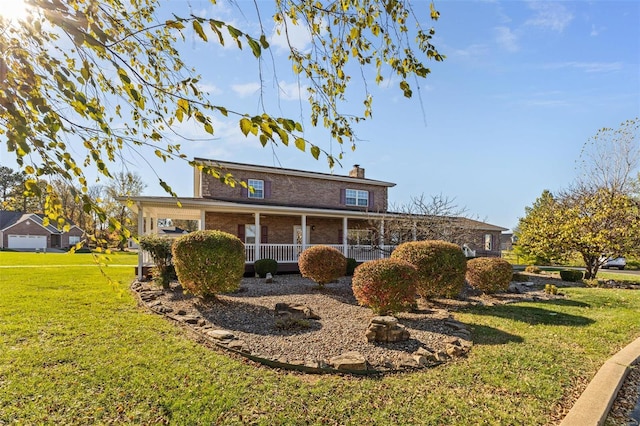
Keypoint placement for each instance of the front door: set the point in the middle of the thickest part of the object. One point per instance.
(297, 234)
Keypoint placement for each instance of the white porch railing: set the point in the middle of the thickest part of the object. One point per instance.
(288, 253)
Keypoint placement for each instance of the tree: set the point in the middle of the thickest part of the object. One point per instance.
(611, 157)
(9, 183)
(109, 74)
(123, 184)
(436, 217)
(595, 223)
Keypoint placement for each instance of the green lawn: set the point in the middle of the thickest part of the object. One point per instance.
(76, 350)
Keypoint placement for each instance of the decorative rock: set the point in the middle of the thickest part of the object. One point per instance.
(181, 312)
(269, 278)
(386, 329)
(442, 356)
(349, 361)
(296, 311)
(408, 361)
(455, 349)
(190, 319)
(220, 334)
(238, 345)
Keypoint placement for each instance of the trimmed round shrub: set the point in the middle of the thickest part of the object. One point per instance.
(159, 248)
(532, 269)
(489, 274)
(571, 275)
(385, 285)
(441, 266)
(322, 264)
(351, 266)
(264, 266)
(209, 262)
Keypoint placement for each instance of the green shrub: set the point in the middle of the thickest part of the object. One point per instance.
(385, 285)
(351, 266)
(550, 289)
(441, 266)
(209, 262)
(159, 248)
(322, 264)
(264, 266)
(571, 275)
(489, 274)
(532, 269)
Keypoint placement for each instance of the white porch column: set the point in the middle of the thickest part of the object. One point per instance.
(258, 235)
(345, 247)
(140, 232)
(202, 224)
(303, 223)
(381, 239)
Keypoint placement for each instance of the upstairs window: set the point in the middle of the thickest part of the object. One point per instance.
(258, 188)
(354, 197)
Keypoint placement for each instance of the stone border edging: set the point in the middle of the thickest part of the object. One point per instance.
(592, 407)
(225, 340)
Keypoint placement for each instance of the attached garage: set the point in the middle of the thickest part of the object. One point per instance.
(27, 241)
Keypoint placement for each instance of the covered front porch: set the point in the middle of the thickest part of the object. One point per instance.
(273, 232)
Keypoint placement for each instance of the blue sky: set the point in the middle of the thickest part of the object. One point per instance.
(525, 84)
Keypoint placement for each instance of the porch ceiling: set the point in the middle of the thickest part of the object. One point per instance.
(191, 208)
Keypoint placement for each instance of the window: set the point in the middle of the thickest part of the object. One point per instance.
(258, 188)
(250, 234)
(73, 240)
(354, 197)
(487, 242)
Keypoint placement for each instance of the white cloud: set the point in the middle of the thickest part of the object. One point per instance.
(247, 89)
(507, 39)
(291, 91)
(287, 33)
(554, 16)
(591, 67)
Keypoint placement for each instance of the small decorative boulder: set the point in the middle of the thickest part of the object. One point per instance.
(298, 311)
(269, 278)
(386, 329)
(349, 361)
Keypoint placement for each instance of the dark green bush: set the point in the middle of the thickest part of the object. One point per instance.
(441, 266)
(351, 266)
(322, 264)
(264, 266)
(385, 285)
(489, 274)
(209, 262)
(159, 248)
(571, 275)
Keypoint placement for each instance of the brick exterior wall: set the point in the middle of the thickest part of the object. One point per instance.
(280, 228)
(34, 229)
(295, 190)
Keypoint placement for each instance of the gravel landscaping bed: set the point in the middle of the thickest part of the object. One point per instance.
(250, 315)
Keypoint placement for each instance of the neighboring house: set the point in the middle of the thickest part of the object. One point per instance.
(506, 241)
(287, 210)
(27, 231)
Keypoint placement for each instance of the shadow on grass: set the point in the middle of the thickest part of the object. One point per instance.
(566, 302)
(533, 315)
(484, 335)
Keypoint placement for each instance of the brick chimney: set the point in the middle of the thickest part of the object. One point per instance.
(357, 172)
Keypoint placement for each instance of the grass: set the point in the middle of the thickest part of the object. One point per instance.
(74, 351)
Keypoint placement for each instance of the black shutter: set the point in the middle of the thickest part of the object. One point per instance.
(244, 192)
(370, 199)
(264, 235)
(343, 196)
(267, 189)
(241, 233)
(340, 235)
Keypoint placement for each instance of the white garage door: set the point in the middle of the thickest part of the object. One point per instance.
(27, 241)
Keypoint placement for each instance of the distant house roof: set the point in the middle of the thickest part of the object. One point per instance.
(172, 230)
(11, 218)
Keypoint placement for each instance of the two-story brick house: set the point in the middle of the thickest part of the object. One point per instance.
(286, 210)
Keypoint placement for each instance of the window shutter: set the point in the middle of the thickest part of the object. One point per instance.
(371, 200)
(264, 235)
(244, 192)
(343, 196)
(241, 233)
(340, 236)
(267, 189)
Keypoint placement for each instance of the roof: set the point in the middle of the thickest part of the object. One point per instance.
(291, 172)
(11, 218)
